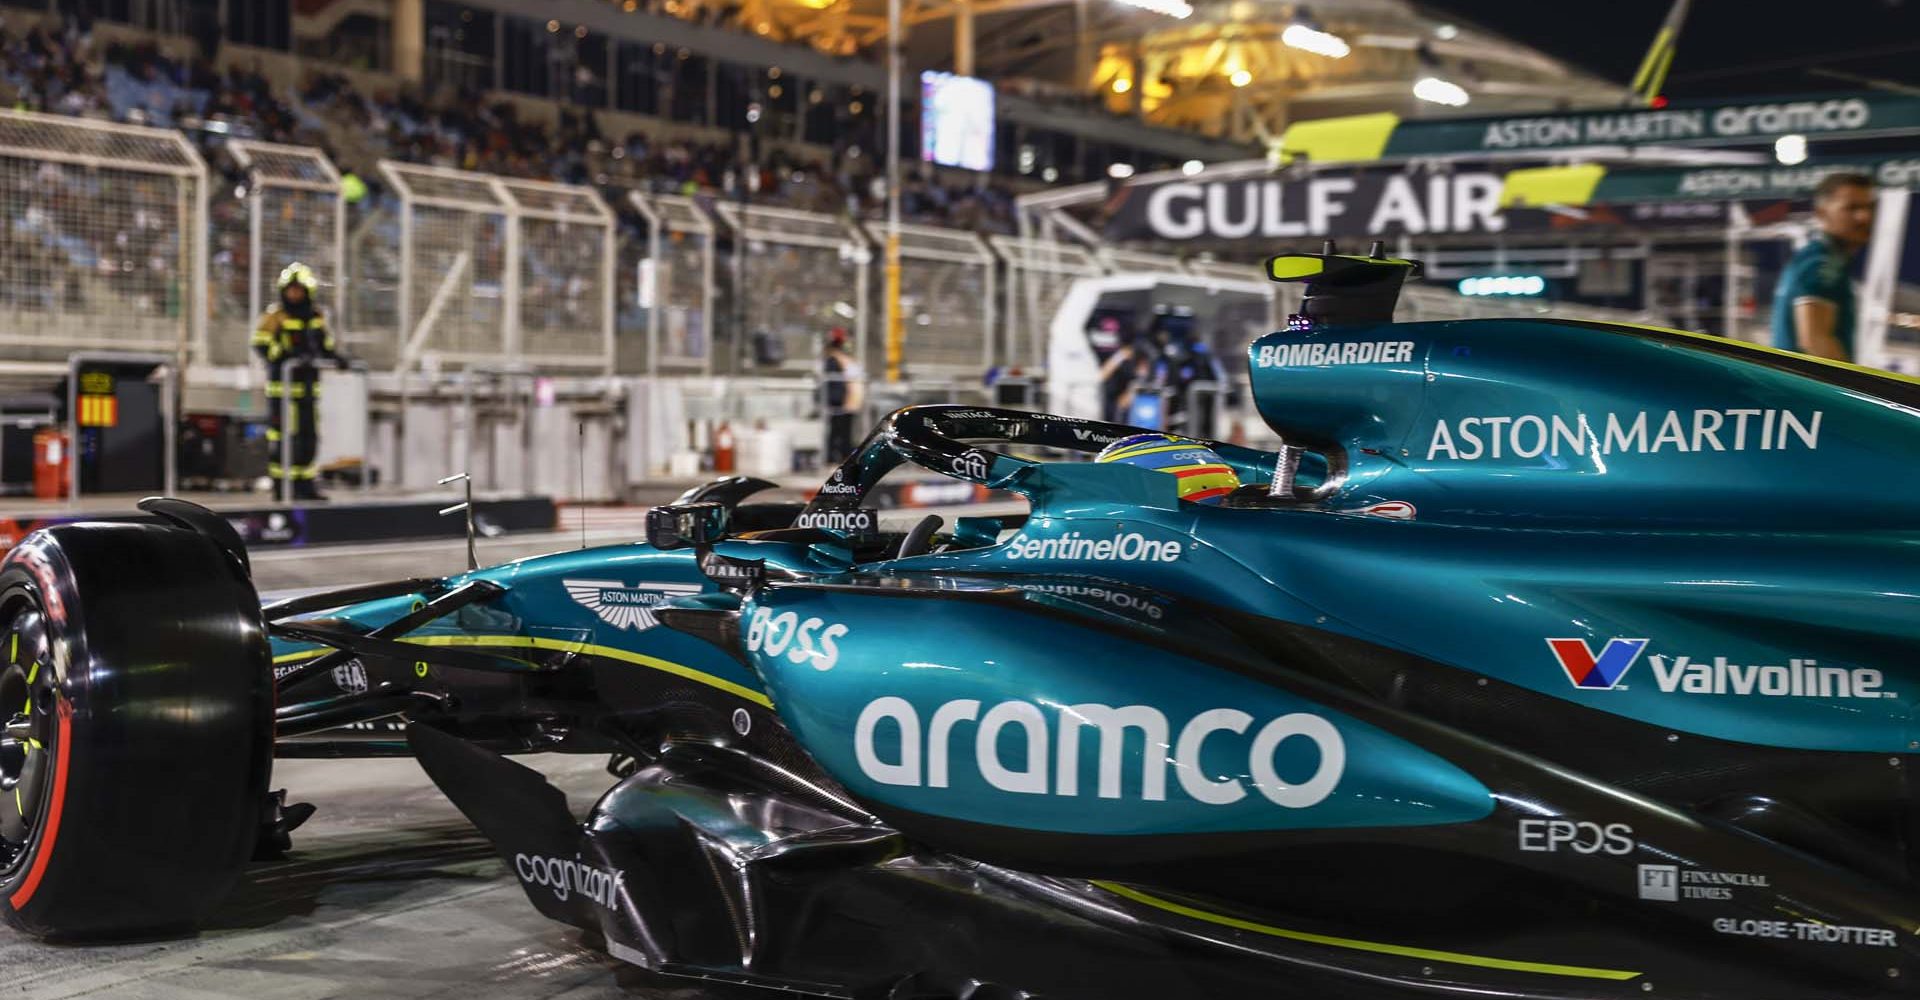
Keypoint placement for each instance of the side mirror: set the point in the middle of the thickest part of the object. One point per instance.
(677, 526)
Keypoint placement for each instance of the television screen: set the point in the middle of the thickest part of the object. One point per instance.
(956, 121)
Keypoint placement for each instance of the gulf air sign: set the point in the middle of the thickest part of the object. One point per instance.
(1371, 203)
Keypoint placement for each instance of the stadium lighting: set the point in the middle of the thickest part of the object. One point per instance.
(1320, 43)
(1192, 167)
(1171, 8)
(1240, 78)
(1438, 91)
(1120, 171)
(1790, 150)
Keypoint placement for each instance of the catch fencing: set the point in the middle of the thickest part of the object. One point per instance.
(1040, 272)
(676, 284)
(294, 212)
(104, 245)
(801, 274)
(947, 300)
(501, 271)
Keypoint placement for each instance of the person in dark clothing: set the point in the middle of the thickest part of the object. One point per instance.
(292, 338)
(843, 393)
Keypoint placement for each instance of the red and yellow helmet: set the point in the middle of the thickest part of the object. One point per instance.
(1204, 477)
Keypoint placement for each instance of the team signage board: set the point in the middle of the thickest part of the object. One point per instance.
(1727, 123)
(1597, 184)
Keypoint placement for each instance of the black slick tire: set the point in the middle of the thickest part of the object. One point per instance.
(136, 696)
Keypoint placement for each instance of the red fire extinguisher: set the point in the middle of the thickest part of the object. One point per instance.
(723, 448)
(50, 463)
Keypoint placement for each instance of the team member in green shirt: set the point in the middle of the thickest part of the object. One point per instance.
(1813, 310)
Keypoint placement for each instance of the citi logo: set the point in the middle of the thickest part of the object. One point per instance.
(1601, 672)
(972, 465)
(925, 756)
(566, 876)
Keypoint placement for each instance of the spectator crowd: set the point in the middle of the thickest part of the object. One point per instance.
(78, 246)
(67, 71)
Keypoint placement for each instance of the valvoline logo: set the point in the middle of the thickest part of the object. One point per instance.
(1600, 672)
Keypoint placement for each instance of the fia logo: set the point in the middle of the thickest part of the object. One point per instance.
(626, 607)
(351, 677)
(1602, 672)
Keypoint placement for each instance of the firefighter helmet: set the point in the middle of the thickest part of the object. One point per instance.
(300, 274)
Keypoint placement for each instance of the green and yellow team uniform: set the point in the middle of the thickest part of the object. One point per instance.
(1816, 271)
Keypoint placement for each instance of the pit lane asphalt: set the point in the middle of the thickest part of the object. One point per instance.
(389, 892)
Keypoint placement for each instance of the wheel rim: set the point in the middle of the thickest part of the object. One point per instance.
(27, 733)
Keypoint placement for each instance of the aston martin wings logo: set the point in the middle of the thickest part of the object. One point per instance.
(626, 607)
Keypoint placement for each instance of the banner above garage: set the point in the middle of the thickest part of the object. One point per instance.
(1386, 136)
(1365, 204)
(1380, 203)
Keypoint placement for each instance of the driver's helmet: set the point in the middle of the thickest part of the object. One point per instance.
(1204, 477)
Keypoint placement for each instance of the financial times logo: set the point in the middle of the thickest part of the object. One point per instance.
(1660, 882)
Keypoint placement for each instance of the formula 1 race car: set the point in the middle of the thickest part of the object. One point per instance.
(1544, 659)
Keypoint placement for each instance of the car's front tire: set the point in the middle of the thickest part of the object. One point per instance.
(136, 728)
